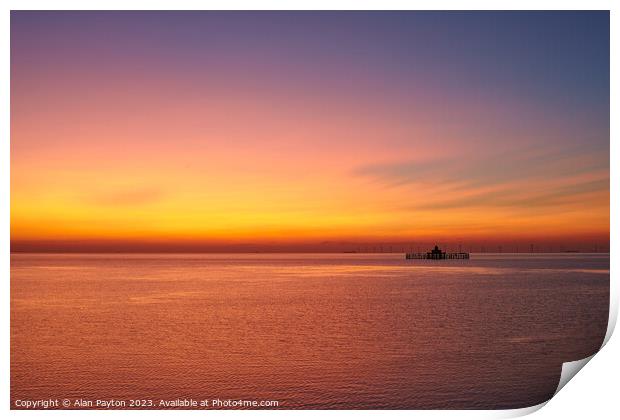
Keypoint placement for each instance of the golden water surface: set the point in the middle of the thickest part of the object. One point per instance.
(309, 331)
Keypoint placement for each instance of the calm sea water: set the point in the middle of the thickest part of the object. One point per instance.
(346, 331)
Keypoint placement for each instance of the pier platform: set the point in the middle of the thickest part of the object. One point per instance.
(442, 256)
(437, 254)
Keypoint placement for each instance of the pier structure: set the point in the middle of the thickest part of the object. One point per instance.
(437, 254)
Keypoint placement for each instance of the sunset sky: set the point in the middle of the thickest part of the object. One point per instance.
(216, 130)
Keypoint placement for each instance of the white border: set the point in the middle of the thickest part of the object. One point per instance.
(592, 395)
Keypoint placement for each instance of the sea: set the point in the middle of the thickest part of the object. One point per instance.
(301, 331)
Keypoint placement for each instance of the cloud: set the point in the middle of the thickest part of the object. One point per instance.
(524, 178)
(517, 198)
(126, 197)
(479, 169)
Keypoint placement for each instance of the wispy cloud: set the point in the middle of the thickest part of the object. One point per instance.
(520, 179)
(518, 198)
(489, 170)
(138, 196)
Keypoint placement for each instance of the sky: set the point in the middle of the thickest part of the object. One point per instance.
(309, 131)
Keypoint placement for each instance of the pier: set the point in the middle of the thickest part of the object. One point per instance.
(437, 254)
